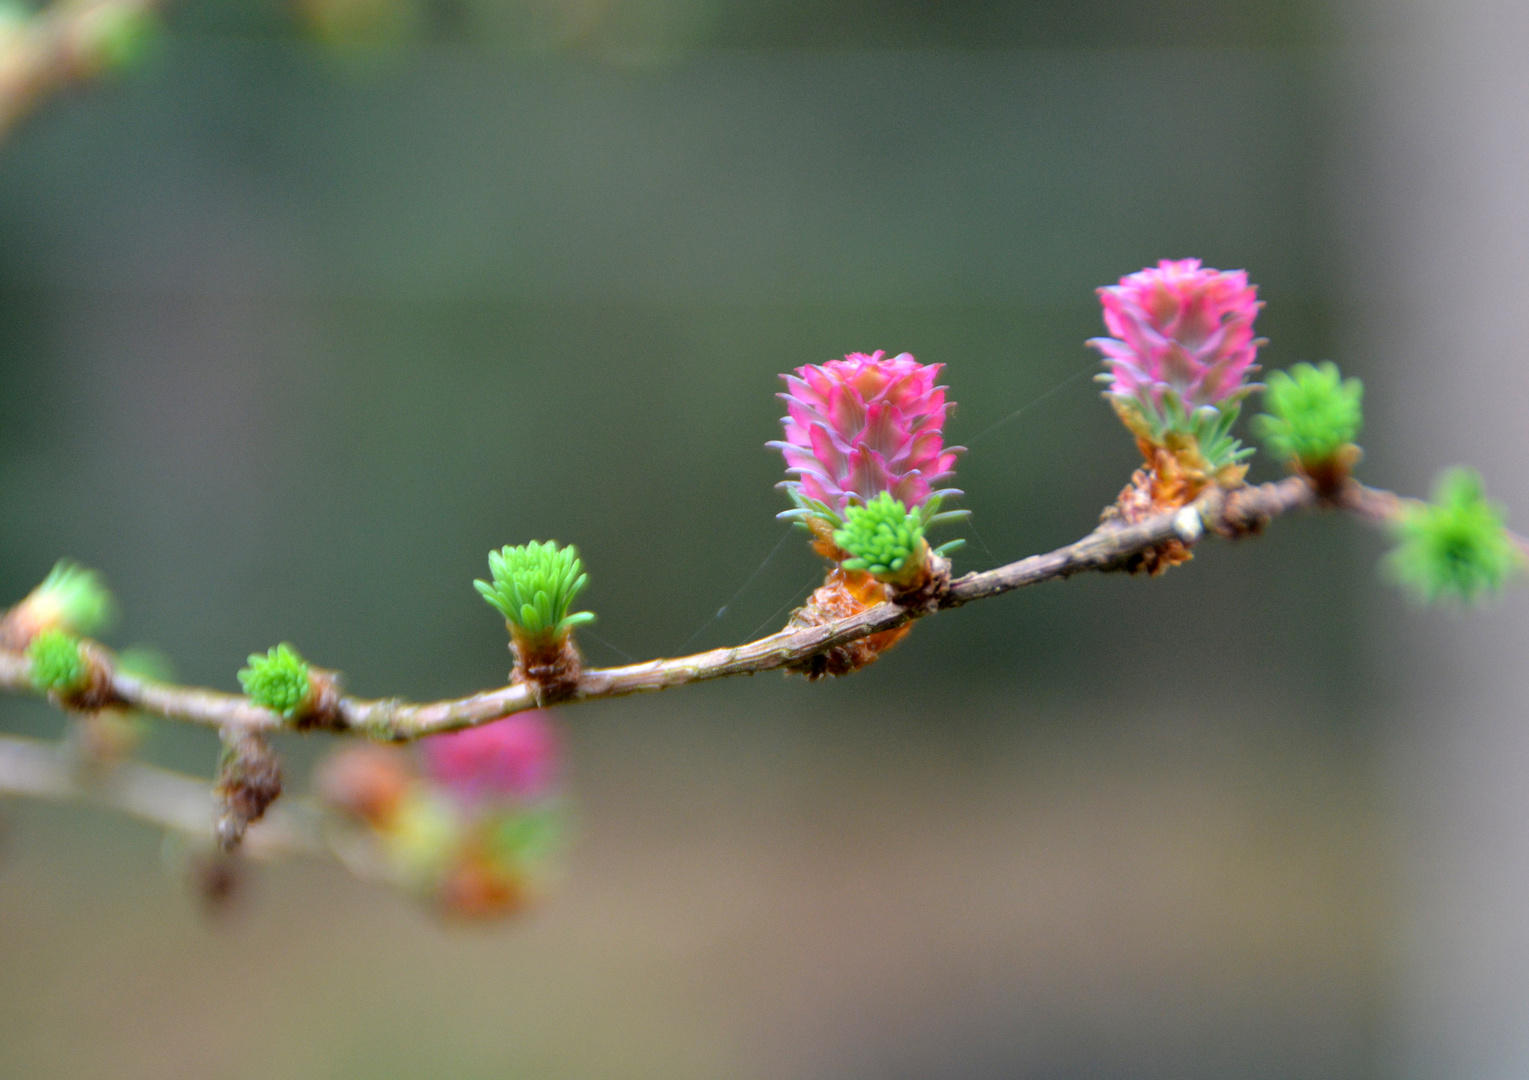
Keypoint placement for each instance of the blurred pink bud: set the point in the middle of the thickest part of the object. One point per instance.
(863, 425)
(514, 759)
(368, 782)
(1179, 328)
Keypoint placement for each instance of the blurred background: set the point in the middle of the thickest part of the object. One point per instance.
(322, 301)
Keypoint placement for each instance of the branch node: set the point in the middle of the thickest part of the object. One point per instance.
(379, 722)
(97, 692)
(927, 595)
(843, 595)
(1244, 512)
(1188, 525)
(549, 667)
(249, 781)
(321, 710)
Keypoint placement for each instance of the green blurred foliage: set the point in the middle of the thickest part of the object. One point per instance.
(115, 38)
(74, 598)
(639, 30)
(1313, 413)
(1458, 546)
(57, 664)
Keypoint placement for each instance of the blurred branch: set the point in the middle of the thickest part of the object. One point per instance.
(155, 796)
(1228, 513)
(71, 41)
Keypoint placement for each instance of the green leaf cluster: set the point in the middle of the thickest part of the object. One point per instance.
(1458, 546)
(534, 585)
(1313, 413)
(885, 538)
(278, 680)
(1212, 429)
(1209, 425)
(929, 514)
(881, 536)
(77, 599)
(57, 663)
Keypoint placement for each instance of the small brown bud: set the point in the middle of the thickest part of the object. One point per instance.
(322, 708)
(1330, 475)
(98, 692)
(551, 668)
(927, 592)
(249, 781)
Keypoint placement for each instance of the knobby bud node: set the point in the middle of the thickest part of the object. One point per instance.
(74, 673)
(249, 781)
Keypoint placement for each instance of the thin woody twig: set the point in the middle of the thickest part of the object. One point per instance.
(157, 796)
(1228, 513)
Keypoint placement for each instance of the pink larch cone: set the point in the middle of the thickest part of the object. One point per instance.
(856, 428)
(1182, 331)
(863, 425)
(1178, 370)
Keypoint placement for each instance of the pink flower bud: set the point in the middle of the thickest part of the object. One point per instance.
(511, 760)
(863, 425)
(1180, 329)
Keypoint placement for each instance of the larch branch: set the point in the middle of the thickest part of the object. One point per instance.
(1231, 514)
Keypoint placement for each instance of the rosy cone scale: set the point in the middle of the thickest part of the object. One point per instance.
(863, 425)
(1181, 331)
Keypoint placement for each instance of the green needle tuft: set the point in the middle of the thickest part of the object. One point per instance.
(73, 598)
(1313, 414)
(1458, 546)
(278, 680)
(534, 585)
(57, 664)
(884, 538)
